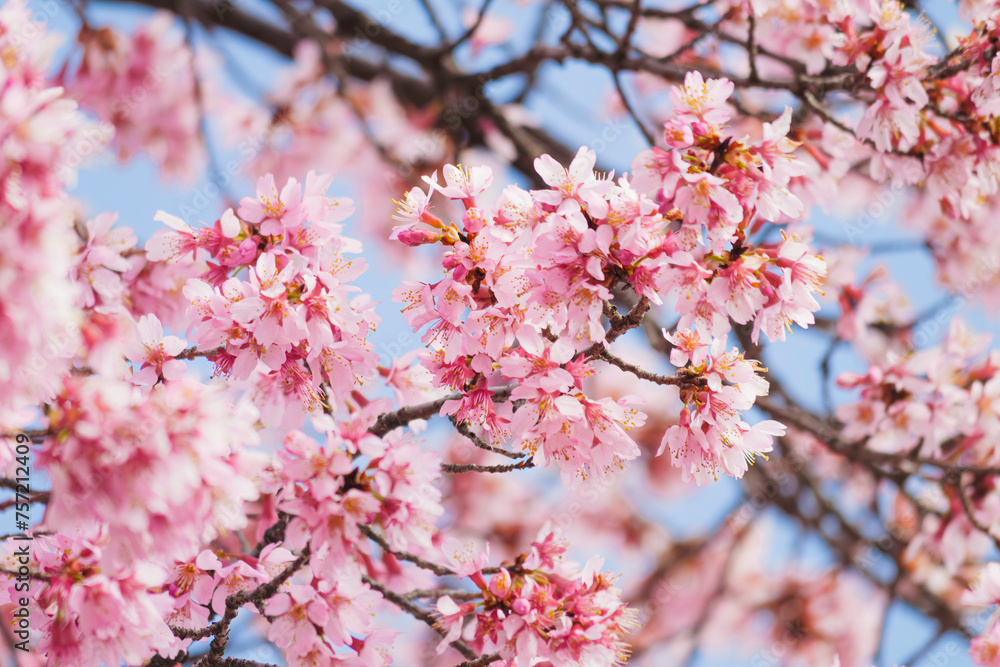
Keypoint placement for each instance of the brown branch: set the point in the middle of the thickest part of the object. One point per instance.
(194, 352)
(453, 593)
(233, 603)
(650, 139)
(464, 430)
(274, 534)
(39, 498)
(31, 575)
(471, 467)
(420, 614)
(200, 633)
(389, 421)
(752, 48)
(450, 48)
(674, 380)
(967, 506)
(479, 662)
(439, 570)
(828, 433)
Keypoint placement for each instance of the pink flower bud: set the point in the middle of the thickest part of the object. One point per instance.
(500, 584)
(474, 220)
(415, 237)
(246, 253)
(701, 128)
(521, 606)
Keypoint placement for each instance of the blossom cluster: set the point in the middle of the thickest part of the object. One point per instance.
(125, 301)
(819, 614)
(929, 123)
(933, 402)
(144, 477)
(161, 471)
(540, 606)
(40, 132)
(86, 611)
(914, 116)
(293, 318)
(330, 495)
(722, 386)
(530, 280)
(200, 585)
(514, 295)
(720, 190)
(892, 49)
(939, 407)
(144, 85)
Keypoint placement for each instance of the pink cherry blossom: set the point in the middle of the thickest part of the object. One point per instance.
(702, 100)
(155, 353)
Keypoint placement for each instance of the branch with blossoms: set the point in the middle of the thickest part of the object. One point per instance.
(290, 490)
(514, 331)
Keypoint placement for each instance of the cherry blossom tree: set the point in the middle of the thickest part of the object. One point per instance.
(211, 456)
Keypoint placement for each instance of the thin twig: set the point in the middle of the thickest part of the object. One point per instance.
(471, 467)
(646, 375)
(439, 570)
(420, 614)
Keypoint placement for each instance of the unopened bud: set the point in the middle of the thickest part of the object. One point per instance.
(415, 237)
(500, 584)
(474, 220)
(701, 128)
(521, 606)
(247, 250)
(450, 235)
